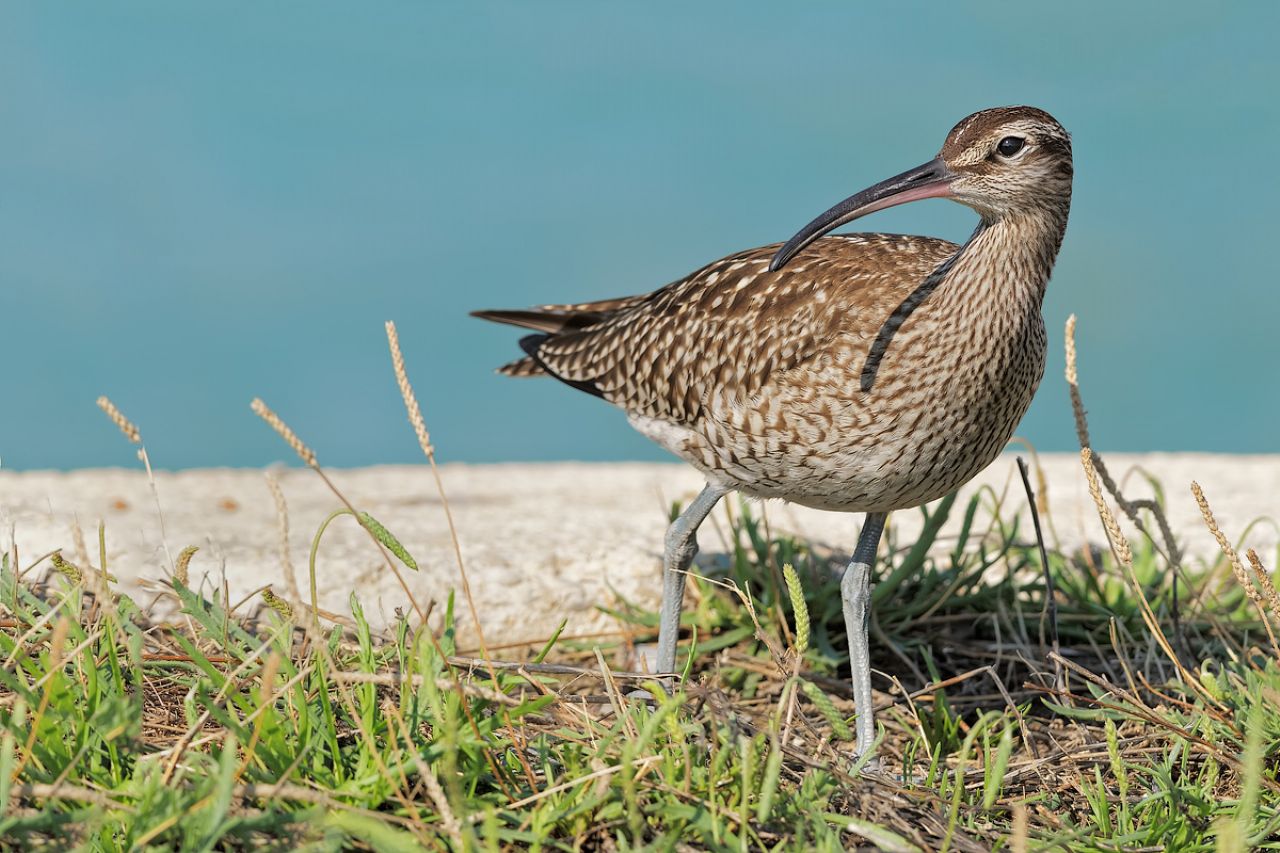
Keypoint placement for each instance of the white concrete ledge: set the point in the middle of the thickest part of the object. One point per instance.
(541, 541)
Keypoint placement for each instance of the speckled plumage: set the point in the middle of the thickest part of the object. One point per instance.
(870, 372)
(873, 372)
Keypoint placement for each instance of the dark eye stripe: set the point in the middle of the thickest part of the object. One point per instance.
(1010, 145)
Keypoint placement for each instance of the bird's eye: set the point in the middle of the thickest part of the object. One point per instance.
(1010, 145)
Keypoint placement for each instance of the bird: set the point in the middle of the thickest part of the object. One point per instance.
(863, 373)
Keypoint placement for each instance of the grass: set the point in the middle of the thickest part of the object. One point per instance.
(1141, 712)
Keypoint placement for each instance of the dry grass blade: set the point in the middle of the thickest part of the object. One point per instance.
(389, 678)
(1152, 716)
(131, 432)
(282, 528)
(1019, 838)
(636, 764)
(38, 791)
(1050, 594)
(432, 782)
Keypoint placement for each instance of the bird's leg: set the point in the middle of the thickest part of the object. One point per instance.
(855, 590)
(681, 546)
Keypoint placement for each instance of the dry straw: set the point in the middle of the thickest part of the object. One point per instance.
(282, 529)
(134, 435)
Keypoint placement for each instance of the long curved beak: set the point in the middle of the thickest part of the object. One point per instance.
(932, 180)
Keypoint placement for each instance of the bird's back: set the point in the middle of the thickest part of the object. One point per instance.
(728, 329)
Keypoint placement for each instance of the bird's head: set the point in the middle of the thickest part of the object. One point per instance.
(1001, 162)
(1008, 159)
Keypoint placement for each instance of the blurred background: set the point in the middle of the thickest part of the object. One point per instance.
(200, 204)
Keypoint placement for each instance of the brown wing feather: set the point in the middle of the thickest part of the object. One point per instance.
(554, 319)
(732, 325)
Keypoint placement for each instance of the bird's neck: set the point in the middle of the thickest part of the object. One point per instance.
(1008, 257)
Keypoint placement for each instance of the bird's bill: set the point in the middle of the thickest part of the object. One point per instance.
(932, 180)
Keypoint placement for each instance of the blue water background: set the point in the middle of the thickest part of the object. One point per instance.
(204, 202)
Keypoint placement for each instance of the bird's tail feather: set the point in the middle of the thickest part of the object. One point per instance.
(523, 368)
(539, 321)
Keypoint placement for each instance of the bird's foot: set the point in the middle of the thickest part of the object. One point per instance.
(871, 767)
(668, 686)
(874, 768)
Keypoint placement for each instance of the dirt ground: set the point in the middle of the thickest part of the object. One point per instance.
(541, 542)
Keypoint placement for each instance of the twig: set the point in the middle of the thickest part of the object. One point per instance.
(549, 668)
(38, 791)
(638, 764)
(1050, 595)
(396, 679)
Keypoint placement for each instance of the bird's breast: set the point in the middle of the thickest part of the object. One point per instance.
(944, 398)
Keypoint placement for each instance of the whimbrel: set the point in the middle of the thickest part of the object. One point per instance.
(862, 372)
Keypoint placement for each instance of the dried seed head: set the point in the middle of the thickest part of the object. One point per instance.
(180, 573)
(406, 391)
(1237, 567)
(117, 417)
(1119, 544)
(1073, 384)
(1264, 581)
(282, 429)
(1069, 343)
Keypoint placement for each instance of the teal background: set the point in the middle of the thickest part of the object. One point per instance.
(200, 203)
